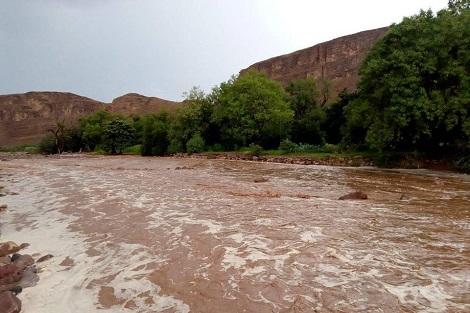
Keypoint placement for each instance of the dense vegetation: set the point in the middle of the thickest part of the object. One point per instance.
(413, 97)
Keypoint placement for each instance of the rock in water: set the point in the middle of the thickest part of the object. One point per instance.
(404, 197)
(260, 180)
(22, 261)
(9, 303)
(29, 279)
(9, 274)
(10, 247)
(45, 258)
(357, 195)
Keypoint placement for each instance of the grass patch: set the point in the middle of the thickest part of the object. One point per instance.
(134, 150)
(20, 148)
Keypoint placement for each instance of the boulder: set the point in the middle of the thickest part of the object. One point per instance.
(9, 303)
(357, 195)
(29, 278)
(10, 247)
(22, 261)
(9, 274)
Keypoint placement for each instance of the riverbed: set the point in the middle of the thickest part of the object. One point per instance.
(134, 234)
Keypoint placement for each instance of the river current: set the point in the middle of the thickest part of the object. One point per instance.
(133, 234)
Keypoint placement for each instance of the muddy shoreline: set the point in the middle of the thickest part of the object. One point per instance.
(343, 161)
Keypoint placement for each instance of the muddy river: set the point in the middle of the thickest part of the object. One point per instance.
(132, 234)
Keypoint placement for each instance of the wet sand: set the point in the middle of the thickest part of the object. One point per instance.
(132, 234)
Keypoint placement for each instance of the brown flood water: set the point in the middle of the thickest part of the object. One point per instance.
(132, 234)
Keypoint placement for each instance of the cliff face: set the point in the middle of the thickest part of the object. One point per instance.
(26, 118)
(338, 61)
(133, 103)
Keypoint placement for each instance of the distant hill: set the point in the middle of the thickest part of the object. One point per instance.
(337, 61)
(25, 118)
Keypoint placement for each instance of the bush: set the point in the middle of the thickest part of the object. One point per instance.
(287, 146)
(31, 149)
(175, 146)
(463, 164)
(330, 148)
(304, 147)
(117, 135)
(195, 144)
(256, 150)
(216, 148)
(132, 149)
(48, 145)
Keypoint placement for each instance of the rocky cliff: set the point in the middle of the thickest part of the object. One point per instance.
(336, 61)
(133, 103)
(26, 118)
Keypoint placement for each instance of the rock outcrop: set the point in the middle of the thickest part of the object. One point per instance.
(26, 118)
(133, 103)
(336, 61)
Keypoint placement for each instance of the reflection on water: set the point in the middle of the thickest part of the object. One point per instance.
(145, 237)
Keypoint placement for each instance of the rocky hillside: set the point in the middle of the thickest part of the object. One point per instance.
(26, 118)
(338, 61)
(133, 103)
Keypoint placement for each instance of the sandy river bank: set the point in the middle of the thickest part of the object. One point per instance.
(133, 234)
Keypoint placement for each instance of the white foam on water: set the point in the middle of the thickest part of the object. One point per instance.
(63, 289)
(312, 235)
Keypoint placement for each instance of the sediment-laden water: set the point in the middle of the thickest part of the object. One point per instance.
(132, 234)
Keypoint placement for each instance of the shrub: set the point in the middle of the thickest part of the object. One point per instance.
(117, 135)
(216, 148)
(304, 147)
(195, 144)
(330, 148)
(133, 149)
(31, 149)
(255, 149)
(463, 164)
(175, 146)
(287, 146)
(48, 145)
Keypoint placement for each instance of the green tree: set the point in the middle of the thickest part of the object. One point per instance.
(92, 128)
(195, 144)
(414, 94)
(335, 120)
(457, 6)
(118, 134)
(252, 109)
(195, 116)
(155, 134)
(48, 145)
(306, 126)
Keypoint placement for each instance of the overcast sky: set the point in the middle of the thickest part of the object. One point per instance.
(105, 48)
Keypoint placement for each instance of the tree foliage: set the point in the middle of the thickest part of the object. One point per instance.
(252, 109)
(155, 134)
(195, 144)
(117, 134)
(415, 89)
(92, 127)
(308, 116)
